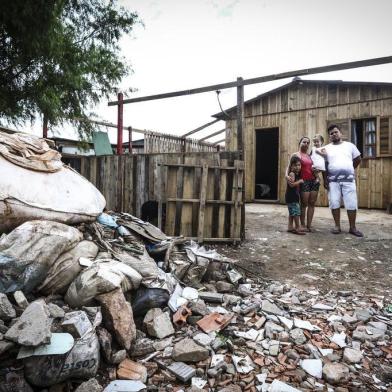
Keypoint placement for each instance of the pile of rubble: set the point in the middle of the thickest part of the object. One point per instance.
(117, 306)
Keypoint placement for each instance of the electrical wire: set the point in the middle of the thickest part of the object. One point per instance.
(222, 110)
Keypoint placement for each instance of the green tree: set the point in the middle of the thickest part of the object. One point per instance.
(59, 57)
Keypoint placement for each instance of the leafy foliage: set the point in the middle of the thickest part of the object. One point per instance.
(58, 57)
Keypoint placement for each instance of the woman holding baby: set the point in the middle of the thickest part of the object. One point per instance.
(311, 165)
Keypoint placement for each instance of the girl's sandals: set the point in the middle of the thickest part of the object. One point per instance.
(294, 231)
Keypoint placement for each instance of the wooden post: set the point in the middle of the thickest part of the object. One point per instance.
(203, 196)
(240, 116)
(45, 128)
(183, 144)
(130, 140)
(120, 110)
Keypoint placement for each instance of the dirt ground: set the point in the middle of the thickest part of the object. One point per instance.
(321, 259)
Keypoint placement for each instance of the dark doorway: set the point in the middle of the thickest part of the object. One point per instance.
(267, 164)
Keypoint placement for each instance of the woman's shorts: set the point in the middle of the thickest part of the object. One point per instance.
(310, 186)
(294, 209)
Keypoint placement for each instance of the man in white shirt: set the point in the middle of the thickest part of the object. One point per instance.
(339, 179)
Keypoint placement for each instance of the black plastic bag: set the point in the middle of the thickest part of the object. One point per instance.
(147, 299)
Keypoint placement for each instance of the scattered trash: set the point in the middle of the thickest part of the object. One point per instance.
(242, 365)
(147, 299)
(60, 343)
(181, 316)
(182, 371)
(251, 335)
(214, 322)
(125, 386)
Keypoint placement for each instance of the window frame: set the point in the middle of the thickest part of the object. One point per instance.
(365, 133)
(347, 133)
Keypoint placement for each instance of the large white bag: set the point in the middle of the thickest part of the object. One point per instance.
(28, 252)
(63, 196)
(66, 268)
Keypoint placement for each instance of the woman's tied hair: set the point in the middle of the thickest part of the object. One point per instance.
(302, 138)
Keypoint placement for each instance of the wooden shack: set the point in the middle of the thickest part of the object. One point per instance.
(275, 121)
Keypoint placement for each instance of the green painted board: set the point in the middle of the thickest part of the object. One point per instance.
(102, 144)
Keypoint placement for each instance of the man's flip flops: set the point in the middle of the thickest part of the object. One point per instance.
(356, 232)
(336, 231)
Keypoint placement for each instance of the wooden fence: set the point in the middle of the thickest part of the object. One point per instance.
(159, 143)
(198, 195)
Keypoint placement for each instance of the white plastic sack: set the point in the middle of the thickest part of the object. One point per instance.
(28, 252)
(99, 278)
(144, 264)
(63, 196)
(81, 362)
(66, 268)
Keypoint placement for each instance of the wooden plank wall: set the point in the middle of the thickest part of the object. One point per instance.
(162, 143)
(306, 110)
(128, 181)
(204, 201)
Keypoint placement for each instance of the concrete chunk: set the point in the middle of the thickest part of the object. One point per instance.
(297, 336)
(158, 323)
(33, 326)
(271, 308)
(7, 311)
(20, 299)
(187, 350)
(118, 317)
(352, 356)
(335, 373)
(313, 367)
(89, 386)
(364, 333)
(76, 323)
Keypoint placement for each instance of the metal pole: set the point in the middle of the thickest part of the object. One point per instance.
(130, 140)
(120, 111)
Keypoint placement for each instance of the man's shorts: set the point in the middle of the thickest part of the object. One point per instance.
(294, 209)
(310, 186)
(345, 190)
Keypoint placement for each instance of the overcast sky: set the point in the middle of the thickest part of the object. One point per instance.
(192, 43)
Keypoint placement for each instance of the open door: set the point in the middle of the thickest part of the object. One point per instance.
(267, 164)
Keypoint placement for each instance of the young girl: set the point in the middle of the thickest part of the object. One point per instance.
(292, 195)
(316, 156)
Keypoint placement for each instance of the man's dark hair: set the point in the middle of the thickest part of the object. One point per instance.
(332, 127)
(294, 159)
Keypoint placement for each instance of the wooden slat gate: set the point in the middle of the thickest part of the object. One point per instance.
(203, 202)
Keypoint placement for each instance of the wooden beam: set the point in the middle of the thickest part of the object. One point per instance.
(219, 141)
(262, 79)
(109, 125)
(198, 166)
(144, 132)
(213, 134)
(240, 114)
(200, 128)
(203, 194)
